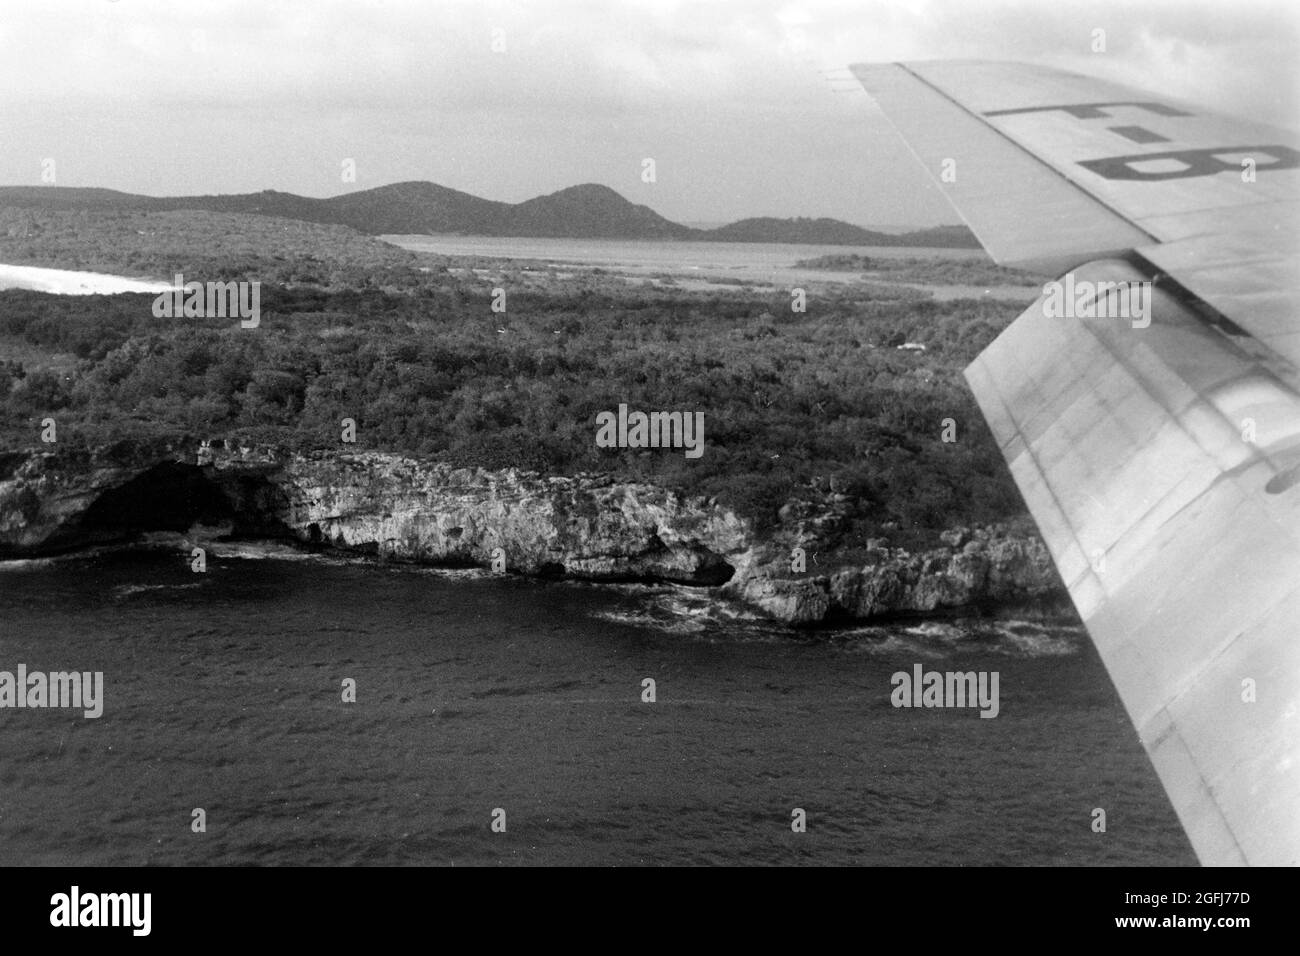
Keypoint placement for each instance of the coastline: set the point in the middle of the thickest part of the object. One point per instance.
(587, 527)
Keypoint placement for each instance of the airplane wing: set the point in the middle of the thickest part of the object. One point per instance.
(1158, 448)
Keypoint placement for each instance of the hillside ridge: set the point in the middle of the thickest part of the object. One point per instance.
(584, 211)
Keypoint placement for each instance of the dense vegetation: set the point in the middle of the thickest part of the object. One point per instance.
(425, 367)
(929, 271)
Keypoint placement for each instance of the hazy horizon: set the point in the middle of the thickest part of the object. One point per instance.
(886, 227)
(746, 109)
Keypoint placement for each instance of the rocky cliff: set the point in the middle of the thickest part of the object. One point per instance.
(586, 526)
(985, 568)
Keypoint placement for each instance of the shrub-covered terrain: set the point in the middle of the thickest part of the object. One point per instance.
(931, 270)
(424, 366)
(206, 245)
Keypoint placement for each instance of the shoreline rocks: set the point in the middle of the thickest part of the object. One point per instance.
(992, 570)
(590, 527)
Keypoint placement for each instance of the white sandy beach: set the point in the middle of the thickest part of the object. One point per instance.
(69, 282)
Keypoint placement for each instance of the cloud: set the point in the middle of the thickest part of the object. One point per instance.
(732, 98)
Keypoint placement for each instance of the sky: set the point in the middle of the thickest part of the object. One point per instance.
(744, 105)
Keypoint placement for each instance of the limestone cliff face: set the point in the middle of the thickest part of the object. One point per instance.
(51, 502)
(988, 568)
(587, 526)
(38, 503)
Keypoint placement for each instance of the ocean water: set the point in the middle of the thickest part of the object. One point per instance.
(474, 692)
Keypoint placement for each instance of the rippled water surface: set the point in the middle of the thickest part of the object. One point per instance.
(222, 691)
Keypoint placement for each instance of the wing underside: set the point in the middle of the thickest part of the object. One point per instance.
(1159, 453)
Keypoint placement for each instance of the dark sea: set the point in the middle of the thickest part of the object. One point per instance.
(474, 693)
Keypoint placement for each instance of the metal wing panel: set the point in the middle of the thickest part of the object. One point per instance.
(1179, 642)
(1162, 464)
(1250, 276)
(1083, 127)
(1149, 174)
(1185, 572)
(992, 177)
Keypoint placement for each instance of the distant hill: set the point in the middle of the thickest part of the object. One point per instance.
(413, 207)
(588, 211)
(816, 231)
(954, 236)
